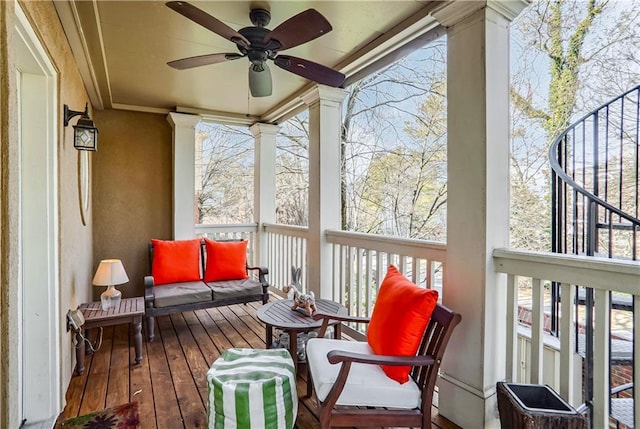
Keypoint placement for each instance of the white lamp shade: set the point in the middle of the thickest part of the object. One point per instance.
(110, 272)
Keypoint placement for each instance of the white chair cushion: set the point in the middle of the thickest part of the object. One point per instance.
(367, 385)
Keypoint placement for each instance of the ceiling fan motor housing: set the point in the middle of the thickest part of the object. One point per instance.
(257, 52)
(260, 17)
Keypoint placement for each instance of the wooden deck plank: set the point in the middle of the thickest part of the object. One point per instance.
(214, 332)
(170, 383)
(243, 330)
(95, 395)
(232, 335)
(118, 385)
(202, 339)
(140, 387)
(76, 389)
(191, 406)
(167, 409)
(195, 361)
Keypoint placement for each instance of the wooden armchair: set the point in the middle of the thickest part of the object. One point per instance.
(358, 393)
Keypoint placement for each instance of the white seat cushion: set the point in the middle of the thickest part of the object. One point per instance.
(367, 385)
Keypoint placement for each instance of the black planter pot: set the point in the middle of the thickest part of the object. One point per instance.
(532, 406)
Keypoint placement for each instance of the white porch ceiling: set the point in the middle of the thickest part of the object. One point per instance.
(122, 48)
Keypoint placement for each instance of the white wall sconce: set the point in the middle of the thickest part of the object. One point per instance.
(85, 133)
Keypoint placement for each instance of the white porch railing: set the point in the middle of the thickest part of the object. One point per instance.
(286, 247)
(604, 276)
(231, 231)
(359, 262)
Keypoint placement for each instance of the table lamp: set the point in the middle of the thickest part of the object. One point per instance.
(110, 272)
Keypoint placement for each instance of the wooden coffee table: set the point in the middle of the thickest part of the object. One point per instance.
(130, 311)
(278, 314)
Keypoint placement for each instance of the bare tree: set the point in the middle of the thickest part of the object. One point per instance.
(224, 174)
(292, 171)
(572, 57)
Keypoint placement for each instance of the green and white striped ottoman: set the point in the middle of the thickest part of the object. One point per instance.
(252, 389)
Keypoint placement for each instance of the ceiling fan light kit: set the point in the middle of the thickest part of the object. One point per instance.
(260, 44)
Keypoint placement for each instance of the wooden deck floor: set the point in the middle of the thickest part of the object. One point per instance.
(170, 383)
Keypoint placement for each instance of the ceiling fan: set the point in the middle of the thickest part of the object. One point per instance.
(260, 44)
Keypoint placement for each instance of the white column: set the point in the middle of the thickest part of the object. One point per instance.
(325, 120)
(264, 188)
(477, 205)
(183, 148)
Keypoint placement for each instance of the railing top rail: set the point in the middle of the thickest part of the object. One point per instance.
(598, 273)
(557, 168)
(278, 228)
(393, 245)
(227, 227)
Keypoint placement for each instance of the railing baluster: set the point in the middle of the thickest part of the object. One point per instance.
(343, 282)
(567, 343)
(537, 330)
(601, 332)
(637, 182)
(358, 280)
(414, 271)
(379, 268)
(512, 328)
(367, 283)
(621, 164)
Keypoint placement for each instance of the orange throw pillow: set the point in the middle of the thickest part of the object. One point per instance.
(175, 261)
(226, 260)
(400, 316)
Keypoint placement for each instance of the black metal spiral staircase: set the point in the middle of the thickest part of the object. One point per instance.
(595, 202)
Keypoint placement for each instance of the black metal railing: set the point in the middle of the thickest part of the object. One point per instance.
(595, 203)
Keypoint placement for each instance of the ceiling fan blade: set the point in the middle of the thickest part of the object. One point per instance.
(207, 21)
(310, 70)
(260, 83)
(202, 60)
(298, 29)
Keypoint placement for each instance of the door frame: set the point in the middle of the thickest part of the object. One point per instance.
(39, 322)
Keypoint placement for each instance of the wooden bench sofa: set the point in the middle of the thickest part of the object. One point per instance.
(194, 274)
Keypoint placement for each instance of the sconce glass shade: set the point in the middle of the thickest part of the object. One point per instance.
(85, 135)
(110, 272)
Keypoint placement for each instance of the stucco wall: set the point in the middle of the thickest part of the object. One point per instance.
(8, 222)
(132, 190)
(75, 239)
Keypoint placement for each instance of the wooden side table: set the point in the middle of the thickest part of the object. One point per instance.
(278, 314)
(130, 311)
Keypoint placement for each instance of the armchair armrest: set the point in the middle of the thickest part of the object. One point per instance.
(262, 272)
(320, 315)
(347, 358)
(337, 356)
(149, 296)
(326, 318)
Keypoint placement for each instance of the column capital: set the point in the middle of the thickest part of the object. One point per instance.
(452, 12)
(182, 120)
(323, 92)
(260, 128)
